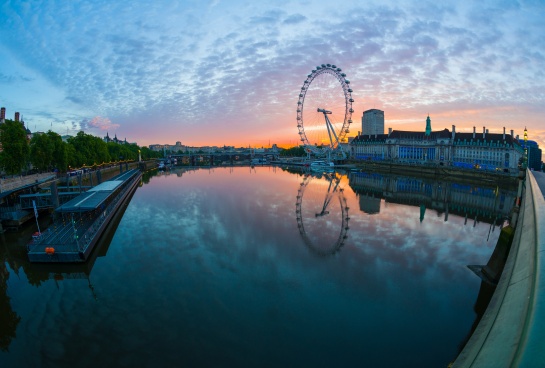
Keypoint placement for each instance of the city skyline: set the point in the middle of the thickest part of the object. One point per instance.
(215, 73)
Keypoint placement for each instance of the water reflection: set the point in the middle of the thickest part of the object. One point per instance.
(322, 213)
(13, 256)
(9, 319)
(488, 204)
(210, 265)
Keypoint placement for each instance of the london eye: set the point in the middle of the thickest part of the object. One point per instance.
(324, 111)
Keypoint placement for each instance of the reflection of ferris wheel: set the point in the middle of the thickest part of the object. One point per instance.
(323, 218)
(324, 110)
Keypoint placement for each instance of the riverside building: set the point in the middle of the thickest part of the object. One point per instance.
(487, 151)
(534, 154)
(372, 122)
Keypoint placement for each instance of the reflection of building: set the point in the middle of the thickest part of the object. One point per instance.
(489, 151)
(370, 204)
(372, 122)
(534, 155)
(485, 204)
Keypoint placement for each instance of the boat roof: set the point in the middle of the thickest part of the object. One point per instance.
(96, 196)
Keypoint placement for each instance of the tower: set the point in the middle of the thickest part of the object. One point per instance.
(372, 122)
(428, 126)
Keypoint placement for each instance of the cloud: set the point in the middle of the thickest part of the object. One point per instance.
(294, 19)
(234, 67)
(102, 123)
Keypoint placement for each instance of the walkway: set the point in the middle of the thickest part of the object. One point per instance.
(511, 332)
(540, 179)
(9, 184)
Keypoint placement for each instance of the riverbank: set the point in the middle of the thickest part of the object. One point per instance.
(470, 176)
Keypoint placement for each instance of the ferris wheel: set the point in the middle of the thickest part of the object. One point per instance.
(322, 218)
(324, 110)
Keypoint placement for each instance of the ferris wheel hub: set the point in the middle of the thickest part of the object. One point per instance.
(324, 111)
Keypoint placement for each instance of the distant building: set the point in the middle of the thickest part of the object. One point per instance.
(372, 122)
(107, 139)
(168, 147)
(534, 154)
(487, 151)
(2, 115)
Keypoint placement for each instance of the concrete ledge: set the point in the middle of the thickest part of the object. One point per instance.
(511, 330)
(531, 352)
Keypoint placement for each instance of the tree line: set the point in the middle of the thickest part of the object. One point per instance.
(48, 152)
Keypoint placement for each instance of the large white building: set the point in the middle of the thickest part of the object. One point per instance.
(372, 122)
(488, 151)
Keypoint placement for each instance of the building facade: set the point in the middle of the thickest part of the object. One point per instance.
(372, 122)
(534, 154)
(487, 151)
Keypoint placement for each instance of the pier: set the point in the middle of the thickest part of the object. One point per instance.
(80, 222)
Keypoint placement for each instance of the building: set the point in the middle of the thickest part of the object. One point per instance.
(107, 139)
(372, 122)
(168, 147)
(2, 115)
(534, 154)
(487, 151)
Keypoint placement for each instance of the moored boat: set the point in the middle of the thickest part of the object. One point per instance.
(81, 221)
(321, 166)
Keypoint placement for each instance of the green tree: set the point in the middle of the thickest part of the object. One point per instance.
(60, 156)
(41, 151)
(15, 148)
(89, 150)
(293, 152)
(147, 154)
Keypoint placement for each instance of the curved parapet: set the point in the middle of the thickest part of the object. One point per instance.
(511, 333)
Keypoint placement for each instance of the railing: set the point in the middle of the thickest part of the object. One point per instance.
(89, 235)
(20, 181)
(74, 235)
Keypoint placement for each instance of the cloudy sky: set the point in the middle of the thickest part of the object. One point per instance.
(229, 72)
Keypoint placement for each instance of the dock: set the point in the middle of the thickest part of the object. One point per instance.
(80, 222)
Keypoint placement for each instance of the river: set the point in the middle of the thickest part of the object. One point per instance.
(260, 267)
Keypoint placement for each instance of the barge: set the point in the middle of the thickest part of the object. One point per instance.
(80, 222)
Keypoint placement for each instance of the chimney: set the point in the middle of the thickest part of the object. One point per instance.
(16, 116)
(473, 132)
(512, 133)
(453, 131)
(503, 133)
(389, 131)
(484, 131)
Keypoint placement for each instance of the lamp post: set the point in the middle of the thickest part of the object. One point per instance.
(525, 148)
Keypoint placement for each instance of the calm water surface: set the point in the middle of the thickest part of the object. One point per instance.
(251, 268)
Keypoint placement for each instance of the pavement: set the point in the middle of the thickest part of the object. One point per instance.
(9, 184)
(540, 179)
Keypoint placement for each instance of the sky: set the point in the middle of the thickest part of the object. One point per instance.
(230, 72)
